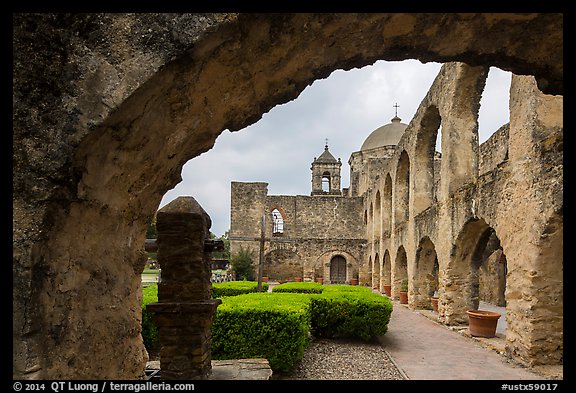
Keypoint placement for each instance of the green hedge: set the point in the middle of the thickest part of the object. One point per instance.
(278, 325)
(299, 287)
(262, 325)
(149, 329)
(235, 288)
(350, 311)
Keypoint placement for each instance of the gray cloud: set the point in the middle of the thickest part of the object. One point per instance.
(345, 108)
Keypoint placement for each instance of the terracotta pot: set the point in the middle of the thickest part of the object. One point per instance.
(298, 279)
(264, 279)
(388, 290)
(320, 280)
(353, 281)
(482, 323)
(403, 297)
(434, 301)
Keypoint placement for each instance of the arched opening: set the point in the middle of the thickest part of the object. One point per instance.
(480, 262)
(387, 205)
(402, 189)
(370, 228)
(125, 164)
(426, 276)
(424, 160)
(338, 270)
(376, 273)
(385, 277)
(326, 182)
(277, 222)
(400, 271)
(377, 217)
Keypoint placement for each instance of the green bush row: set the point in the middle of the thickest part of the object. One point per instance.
(299, 287)
(278, 326)
(235, 288)
(262, 325)
(350, 311)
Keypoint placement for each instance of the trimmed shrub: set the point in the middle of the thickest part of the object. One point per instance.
(235, 288)
(149, 329)
(262, 325)
(349, 311)
(299, 287)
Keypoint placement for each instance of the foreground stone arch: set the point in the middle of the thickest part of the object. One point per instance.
(108, 108)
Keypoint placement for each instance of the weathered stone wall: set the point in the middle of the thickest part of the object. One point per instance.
(107, 108)
(313, 225)
(494, 151)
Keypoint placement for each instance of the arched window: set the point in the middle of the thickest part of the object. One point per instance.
(277, 222)
(326, 182)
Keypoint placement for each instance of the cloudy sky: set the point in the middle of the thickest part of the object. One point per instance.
(344, 108)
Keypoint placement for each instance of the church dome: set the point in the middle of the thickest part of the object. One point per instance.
(388, 134)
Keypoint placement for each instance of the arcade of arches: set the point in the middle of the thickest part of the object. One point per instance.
(109, 107)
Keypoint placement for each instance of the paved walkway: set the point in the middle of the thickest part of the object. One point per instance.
(426, 350)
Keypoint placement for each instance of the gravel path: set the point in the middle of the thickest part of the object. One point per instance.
(343, 359)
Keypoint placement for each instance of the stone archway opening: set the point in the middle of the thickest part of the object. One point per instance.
(480, 263)
(426, 275)
(400, 271)
(376, 273)
(385, 277)
(338, 270)
(89, 221)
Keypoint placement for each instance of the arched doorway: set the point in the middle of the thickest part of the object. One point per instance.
(338, 270)
(426, 274)
(400, 271)
(480, 263)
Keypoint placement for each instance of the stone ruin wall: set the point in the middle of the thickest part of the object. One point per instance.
(313, 226)
(107, 108)
(473, 200)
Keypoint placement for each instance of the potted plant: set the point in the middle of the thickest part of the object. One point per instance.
(482, 323)
(320, 280)
(434, 300)
(354, 280)
(387, 289)
(404, 291)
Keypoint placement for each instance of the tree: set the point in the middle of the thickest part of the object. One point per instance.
(151, 231)
(224, 254)
(243, 264)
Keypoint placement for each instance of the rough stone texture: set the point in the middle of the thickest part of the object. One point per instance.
(438, 222)
(184, 311)
(316, 228)
(108, 107)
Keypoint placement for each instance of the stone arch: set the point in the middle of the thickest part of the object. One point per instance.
(376, 273)
(423, 162)
(323, 264)
(476, 252)
(460, 146)
(426, 274)
(141, 123)
(371, 221)
(385, 277)
(400, 271)
(387, 205)
(402, 189)
(377, 216)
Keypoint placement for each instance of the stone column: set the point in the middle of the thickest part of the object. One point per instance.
(184, 310)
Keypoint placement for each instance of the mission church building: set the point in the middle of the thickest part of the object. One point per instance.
(323, 235)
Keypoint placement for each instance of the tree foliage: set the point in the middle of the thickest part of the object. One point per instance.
(243, 264)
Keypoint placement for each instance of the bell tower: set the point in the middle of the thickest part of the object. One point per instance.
(326, 174)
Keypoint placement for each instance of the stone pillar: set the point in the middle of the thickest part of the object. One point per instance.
(184, 311)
